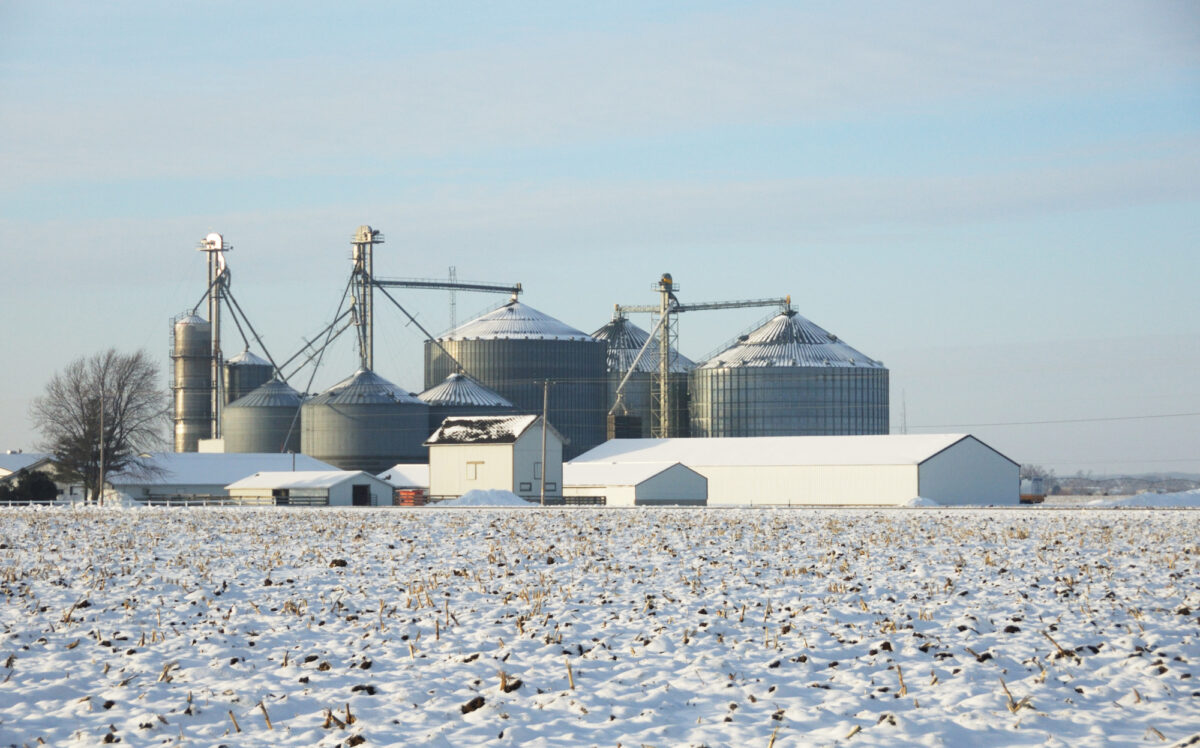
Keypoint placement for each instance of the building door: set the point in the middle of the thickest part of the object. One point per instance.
(360, 495)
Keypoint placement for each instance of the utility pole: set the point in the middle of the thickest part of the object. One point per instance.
(545, 425)
(99, 498)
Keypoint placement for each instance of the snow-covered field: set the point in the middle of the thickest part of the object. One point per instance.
(461, 627)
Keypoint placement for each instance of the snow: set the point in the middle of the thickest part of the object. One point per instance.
(482, 429)
(1184, 499)
(882, 449)
(486, 497)
(679, 627)
(297, 480)
(920, 501)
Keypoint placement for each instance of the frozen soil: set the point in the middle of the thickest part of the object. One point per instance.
(585, 626)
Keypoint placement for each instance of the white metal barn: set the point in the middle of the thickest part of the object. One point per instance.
(198, 476)
(636, 483)
(311, 488)
(494, 452)
(832, 470)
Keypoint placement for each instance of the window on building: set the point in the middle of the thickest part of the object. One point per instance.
(526, 486)
(537, 470)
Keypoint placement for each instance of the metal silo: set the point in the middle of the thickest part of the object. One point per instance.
(245, 373)
(191, 355)
(459, 395)
(789, 378)
(364, 423)
(625, 340)
(513, 350)
(266, 420)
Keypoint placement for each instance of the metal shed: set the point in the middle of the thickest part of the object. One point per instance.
(833, 470)
(636, 483)
(311, 488)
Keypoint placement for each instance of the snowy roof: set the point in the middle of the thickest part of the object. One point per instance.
(273, 394)
(886, 449)
(613, 473)
(214, 468)
(299, 479)
(404, 475)
(459, 389)
(246, 358)
(364, 387)
(788, 339)
(515, 320)
(12, 462)
(625, 339)
(482, 429)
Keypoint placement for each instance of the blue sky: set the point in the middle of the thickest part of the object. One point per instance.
(1000, 201)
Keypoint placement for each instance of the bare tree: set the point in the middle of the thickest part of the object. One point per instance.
(100, 414)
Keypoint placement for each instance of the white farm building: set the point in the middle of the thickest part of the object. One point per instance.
(311, 488)
(483, 453)
(636, 483)
(831, 470)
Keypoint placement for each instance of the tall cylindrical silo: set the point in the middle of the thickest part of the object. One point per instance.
(266, 420)
(789, 378)
(459, 395)
(245, 373)
(513, 350)
(625, 340)
(191, 356)
(364, 423)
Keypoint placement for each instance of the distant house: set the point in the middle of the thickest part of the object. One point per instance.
(833, 470)
(199, 476)
(15, 464)
(311, 488)
(494, 452)
(636, 483)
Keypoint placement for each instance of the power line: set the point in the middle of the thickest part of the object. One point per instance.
(1064, 420)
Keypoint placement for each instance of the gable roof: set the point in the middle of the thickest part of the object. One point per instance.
(213, 468)
(485, 430)
(614, 473)
(11, 462)
(299, 479)
(884, 449)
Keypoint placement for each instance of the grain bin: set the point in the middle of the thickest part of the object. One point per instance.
(191, 355)
(513, 350)
(245, 373)
(789, 377)
(459, 395)
(364, 423)
(266, 420)
(625, 340)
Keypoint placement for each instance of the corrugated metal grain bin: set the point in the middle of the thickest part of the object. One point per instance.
(364, 423)
(624, 340)
(459, 395)
(789, 378)
(266, 420)
(191, 354)
(512, 350)
(244, 373)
